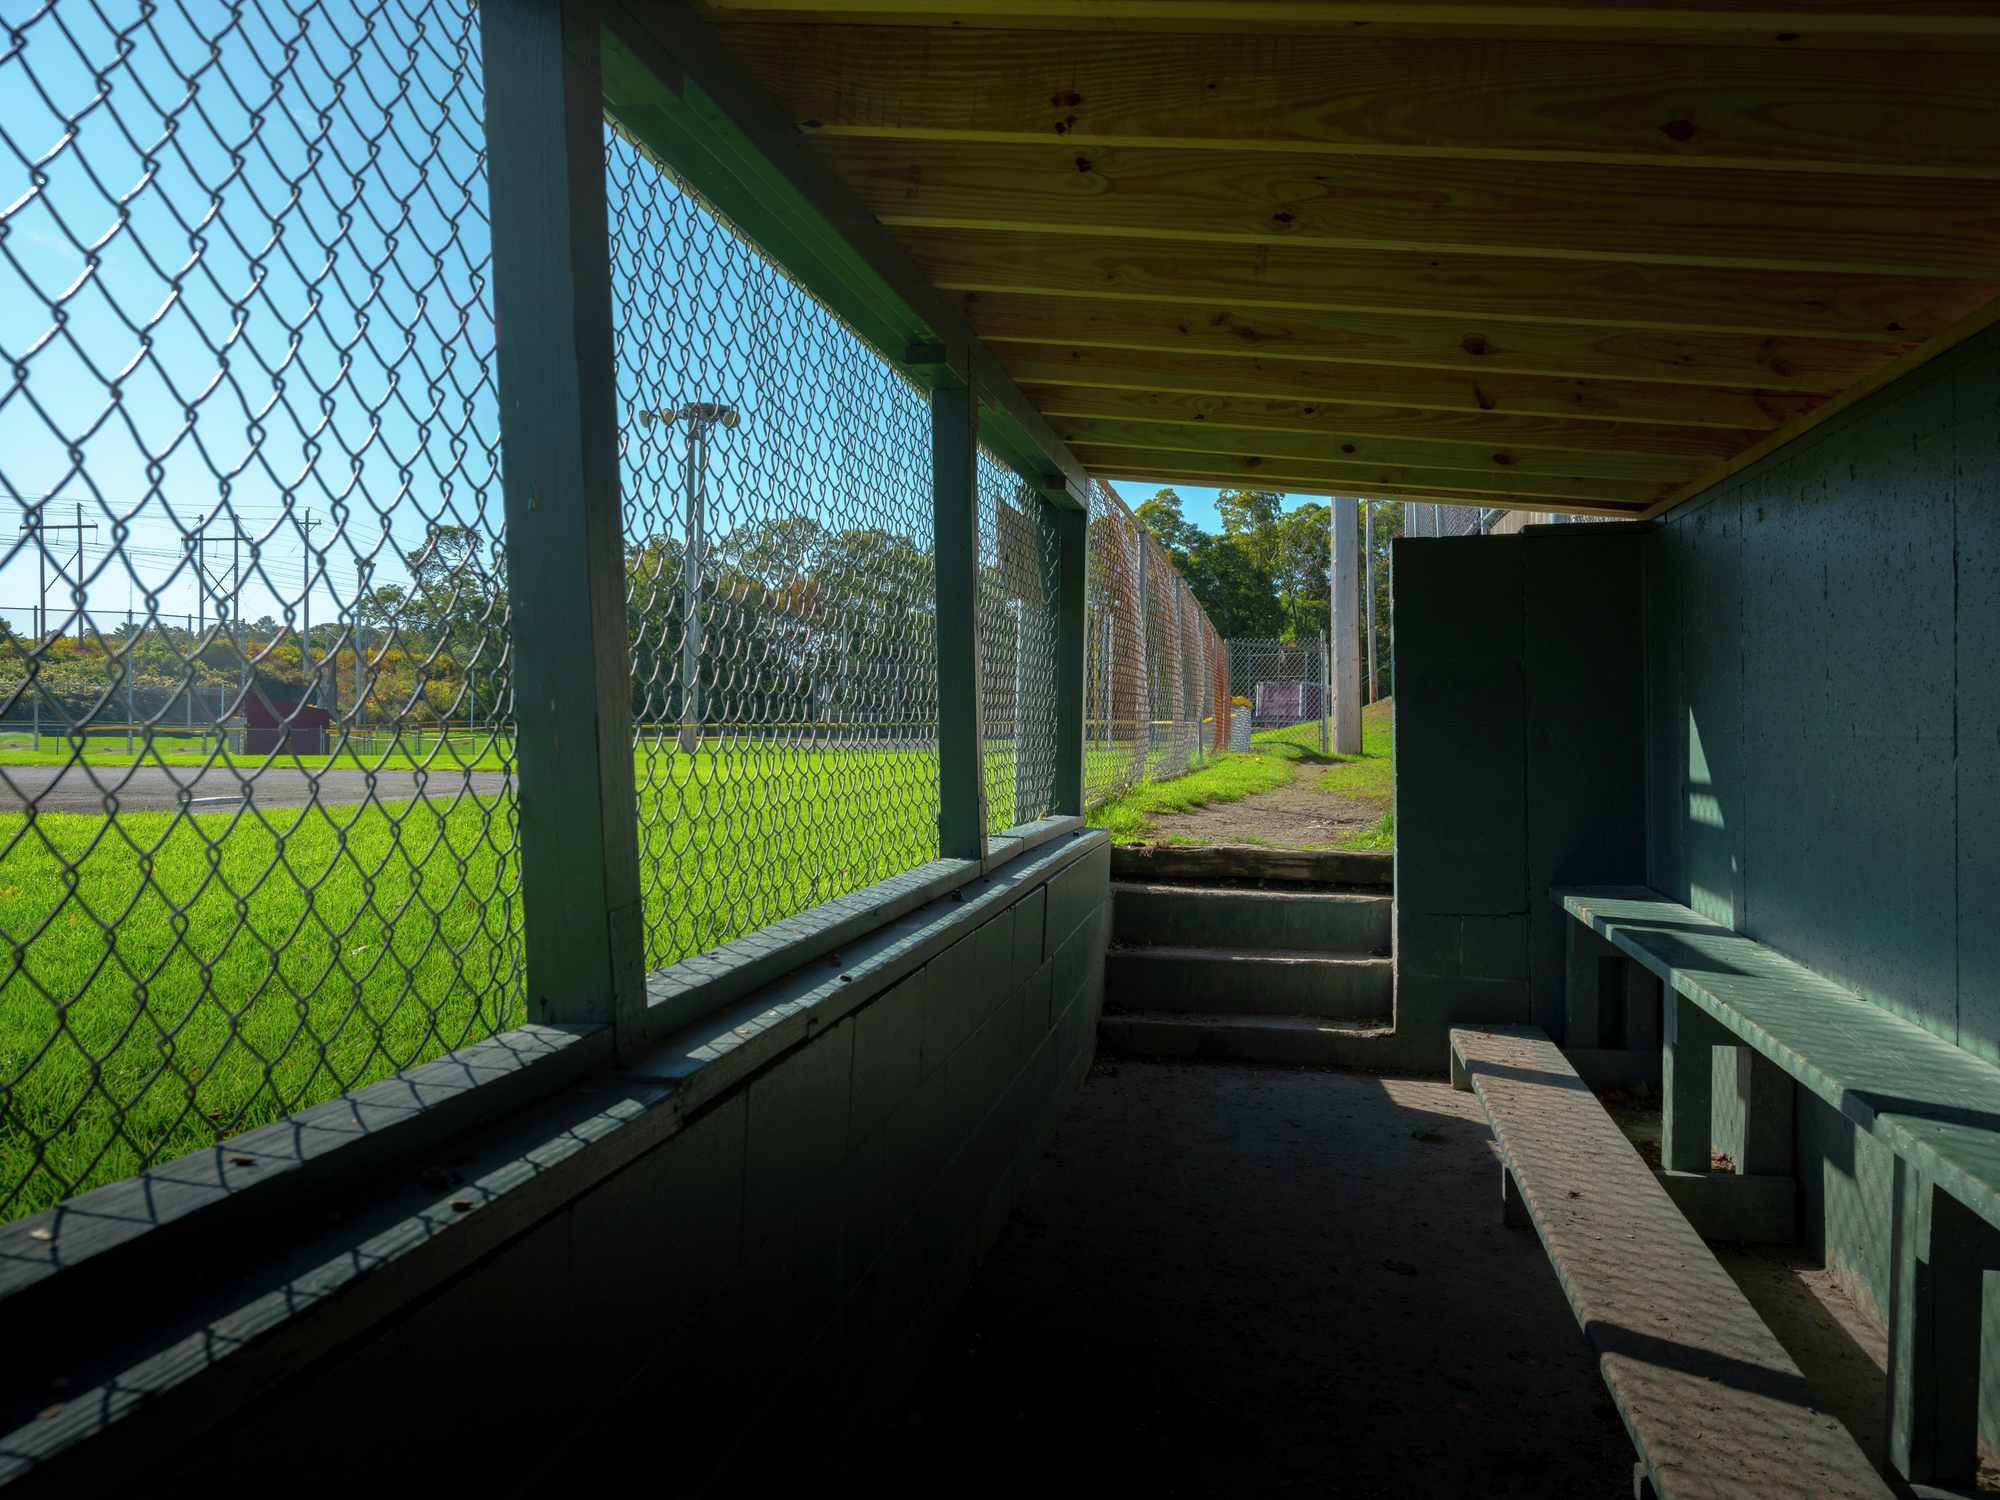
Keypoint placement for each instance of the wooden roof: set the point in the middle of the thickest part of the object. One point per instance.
(1560, 257)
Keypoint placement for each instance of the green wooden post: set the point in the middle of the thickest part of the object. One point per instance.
(955, 518)
(582, 913)
(1073, 537)
(1687, 1065)
(1941, 1255)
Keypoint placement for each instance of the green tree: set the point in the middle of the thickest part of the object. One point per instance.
(1162, 516)
(1303, 569)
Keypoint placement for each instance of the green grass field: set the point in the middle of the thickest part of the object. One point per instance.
(172, 979)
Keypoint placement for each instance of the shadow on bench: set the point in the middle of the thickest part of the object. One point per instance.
(1714, 1405)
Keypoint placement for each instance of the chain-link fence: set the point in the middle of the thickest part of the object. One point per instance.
(1444, 520)
(259, 825)
(256, 834)
(1285, 682)
(777, 483)
(1019, 566)
(1156, 676)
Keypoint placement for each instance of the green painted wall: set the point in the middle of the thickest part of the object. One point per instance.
(1823, 656)
(1823, 739)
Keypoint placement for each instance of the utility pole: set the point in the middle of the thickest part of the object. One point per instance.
(1344, 512)
(1368, 557)
(38, 528)
(702, 417)
(363, 569)
(198, 545)
(308, 677)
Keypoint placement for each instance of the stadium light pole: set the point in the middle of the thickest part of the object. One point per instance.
(702, 417)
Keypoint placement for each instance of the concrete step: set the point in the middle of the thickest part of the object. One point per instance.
(1272, 1039)
(1192, 916)
(1252, 982)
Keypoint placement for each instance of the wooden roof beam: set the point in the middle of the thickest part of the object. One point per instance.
(1875, 24)
(1761, 109)
(1278, 472)
(1353, 423)
(1473, 460)
(1384, 385)
(1465, 346)
(1607, 294)
(1725, 221)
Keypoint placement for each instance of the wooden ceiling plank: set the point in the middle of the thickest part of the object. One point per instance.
(1882, 24)
(1115, 473)
(1382, 385)
(1763, 109)
(1275, 472)
(1975, 322)
(1558, 350)
(1343, 422)
(1610, 294)
(1727, 221)
(1472, 459)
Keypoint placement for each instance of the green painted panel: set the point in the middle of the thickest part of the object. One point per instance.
(1585, 774)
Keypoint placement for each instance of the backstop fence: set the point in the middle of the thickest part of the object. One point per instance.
(330, 743)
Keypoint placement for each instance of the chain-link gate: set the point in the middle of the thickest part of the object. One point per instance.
(1285, 682)
(256, 833)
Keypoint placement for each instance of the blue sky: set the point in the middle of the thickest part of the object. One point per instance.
(1197, 504)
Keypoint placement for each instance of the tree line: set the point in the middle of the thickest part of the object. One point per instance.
(1267, 574)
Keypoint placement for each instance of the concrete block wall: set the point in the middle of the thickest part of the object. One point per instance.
(732, 1299)
(1520, 757)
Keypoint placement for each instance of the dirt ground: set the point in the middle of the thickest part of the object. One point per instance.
(1297, 816)
(1233, 1280)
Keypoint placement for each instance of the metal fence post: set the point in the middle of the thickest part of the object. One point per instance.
(1073, 539)
(955, 513)
(581, 908)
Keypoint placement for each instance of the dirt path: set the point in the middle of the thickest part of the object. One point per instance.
(1297, 816)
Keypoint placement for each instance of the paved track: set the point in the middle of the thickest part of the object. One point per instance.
(103, 789)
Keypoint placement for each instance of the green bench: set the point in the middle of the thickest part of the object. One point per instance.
(1935, 1106)
(1715, 1407)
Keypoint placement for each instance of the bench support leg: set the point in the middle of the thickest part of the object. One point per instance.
(1940, 1253)
(1687, 1084)
(1513, 1212)
(1610, 1000)
(1753, 1109)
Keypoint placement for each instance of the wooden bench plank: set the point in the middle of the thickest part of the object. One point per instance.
(1715, 1406)
(1932, 1103)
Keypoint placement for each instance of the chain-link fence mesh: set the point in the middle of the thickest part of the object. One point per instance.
(1019, 569)
(778, 533)
(1441, 520)
(1156, 676)
(256, 832)
(1285, 683)
(257, 816)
